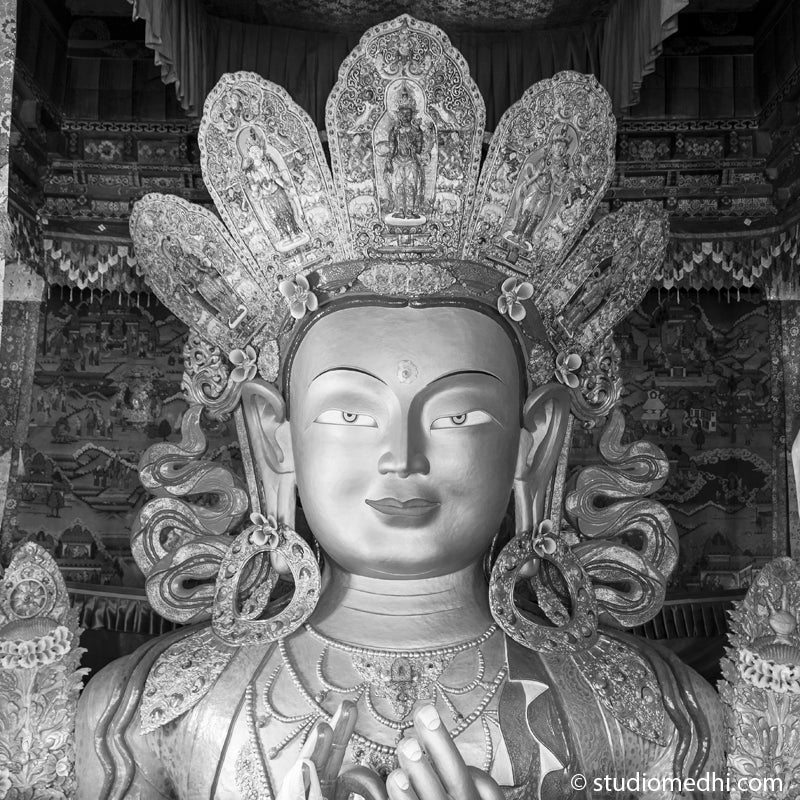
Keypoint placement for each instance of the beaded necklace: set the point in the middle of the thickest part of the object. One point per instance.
(401, 678)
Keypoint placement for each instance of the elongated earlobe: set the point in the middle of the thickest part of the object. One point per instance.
(270, 440)
(544, 417)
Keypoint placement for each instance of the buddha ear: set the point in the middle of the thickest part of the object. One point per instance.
(544, 419)
(270, 440)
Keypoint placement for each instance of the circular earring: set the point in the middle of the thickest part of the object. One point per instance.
(571, 630)
(236, 619)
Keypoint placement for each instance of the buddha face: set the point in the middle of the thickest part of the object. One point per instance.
(405, 428)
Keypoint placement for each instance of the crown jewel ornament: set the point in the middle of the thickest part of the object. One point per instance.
(403, 209)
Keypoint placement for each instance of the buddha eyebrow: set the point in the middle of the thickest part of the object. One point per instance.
(349, 369)
(466, 372)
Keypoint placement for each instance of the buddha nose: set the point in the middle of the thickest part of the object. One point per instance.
(405, 455)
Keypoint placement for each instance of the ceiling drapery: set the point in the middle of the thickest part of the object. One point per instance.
(767, 259)
(194, 48)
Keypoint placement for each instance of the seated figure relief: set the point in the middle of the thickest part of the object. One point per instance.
(454, 627)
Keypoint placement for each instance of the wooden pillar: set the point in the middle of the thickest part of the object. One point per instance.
(23, 289)
(784, 316)
(8, 48)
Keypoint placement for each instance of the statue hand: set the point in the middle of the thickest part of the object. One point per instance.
(438, 771)
(317, 774)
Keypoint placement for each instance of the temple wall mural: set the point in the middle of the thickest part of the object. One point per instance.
(698, 382)
(106, 386)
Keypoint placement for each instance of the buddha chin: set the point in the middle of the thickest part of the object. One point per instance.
(407, 434)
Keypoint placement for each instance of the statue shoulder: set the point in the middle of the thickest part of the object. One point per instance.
(100, 691)
(161, 680)
(181, 675)
(110, 752)
(626, 675)
(108, 687)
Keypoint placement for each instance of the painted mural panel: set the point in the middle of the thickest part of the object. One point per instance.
(697, 372)
(106, 386)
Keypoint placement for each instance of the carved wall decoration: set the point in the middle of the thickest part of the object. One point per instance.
(39, 678)
(761, 683)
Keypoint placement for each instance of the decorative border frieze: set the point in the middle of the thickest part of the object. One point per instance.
(103, 126)
(685, 125)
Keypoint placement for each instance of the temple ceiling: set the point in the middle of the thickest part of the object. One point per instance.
(356, 15)
(453, 14)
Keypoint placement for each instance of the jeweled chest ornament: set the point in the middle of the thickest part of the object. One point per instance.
(402, 678)
(388, 686)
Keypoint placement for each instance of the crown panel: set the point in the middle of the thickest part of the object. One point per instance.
(550, 161)
(405, 125)
(605, 276)
(199, 273)
(263, 164)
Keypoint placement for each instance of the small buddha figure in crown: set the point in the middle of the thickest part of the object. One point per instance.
(453, 625)
(405, 173)
(267, 186)
(543, 183)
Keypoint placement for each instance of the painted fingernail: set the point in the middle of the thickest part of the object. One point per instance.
(400, 780)
(429, 717)
(411, 749)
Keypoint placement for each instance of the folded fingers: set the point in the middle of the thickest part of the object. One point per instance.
(343, 725)
(444, 754)
(420, 772)
(318, 745)
(398, 786)
(362, 782)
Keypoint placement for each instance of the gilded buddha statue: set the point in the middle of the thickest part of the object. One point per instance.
(455, 625)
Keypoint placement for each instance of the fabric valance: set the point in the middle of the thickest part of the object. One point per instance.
(769, 259)
(193, 49)
(697, 262)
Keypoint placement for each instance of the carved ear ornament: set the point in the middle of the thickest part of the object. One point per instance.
(292, 233)
(237, 616)
(561, 627)
(194, 571)
(598, 575)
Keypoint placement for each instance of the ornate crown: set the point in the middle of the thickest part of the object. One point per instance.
(403, 209)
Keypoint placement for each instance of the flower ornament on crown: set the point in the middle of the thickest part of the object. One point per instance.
(292, 235)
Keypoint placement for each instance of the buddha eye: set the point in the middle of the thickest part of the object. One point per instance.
(335, 417)
(466, 420)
